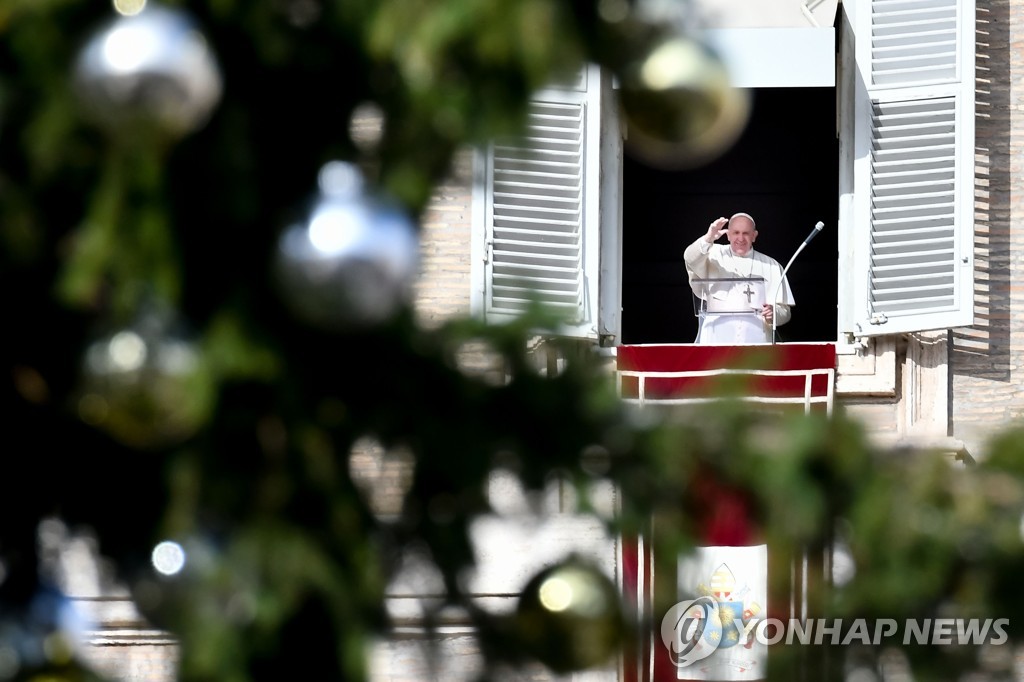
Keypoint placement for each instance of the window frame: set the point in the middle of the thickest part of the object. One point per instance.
(857, 346)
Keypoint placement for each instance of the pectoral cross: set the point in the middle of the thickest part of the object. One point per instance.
(749, 292)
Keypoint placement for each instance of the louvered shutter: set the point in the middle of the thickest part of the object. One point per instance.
(542, 210)
(914, 167)
(536, 247)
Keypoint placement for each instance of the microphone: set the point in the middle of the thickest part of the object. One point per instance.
(818, 226)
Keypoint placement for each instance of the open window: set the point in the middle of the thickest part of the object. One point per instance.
(783, 171)
(882, 153)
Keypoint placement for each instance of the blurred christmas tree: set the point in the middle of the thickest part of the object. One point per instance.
(207, 285)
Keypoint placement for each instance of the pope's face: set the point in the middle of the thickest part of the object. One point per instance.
(741, 236)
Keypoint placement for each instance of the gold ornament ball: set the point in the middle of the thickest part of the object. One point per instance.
(570, 616)
(145, 386)
(680, 108)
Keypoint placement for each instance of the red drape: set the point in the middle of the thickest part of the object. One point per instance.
(728, 518)
(688, 357)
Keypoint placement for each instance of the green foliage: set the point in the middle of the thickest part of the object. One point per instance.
(288, 555)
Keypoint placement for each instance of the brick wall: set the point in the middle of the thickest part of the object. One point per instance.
(986, 360)
(444, 285)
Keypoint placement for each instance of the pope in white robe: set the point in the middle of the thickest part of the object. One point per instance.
(739, 260)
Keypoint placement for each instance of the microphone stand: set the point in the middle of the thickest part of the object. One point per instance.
(775, 297)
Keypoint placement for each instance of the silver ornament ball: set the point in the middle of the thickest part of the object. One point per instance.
(150, 71)
(351, 264)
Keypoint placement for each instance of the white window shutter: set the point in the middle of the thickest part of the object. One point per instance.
(541, 196)
(913, 202)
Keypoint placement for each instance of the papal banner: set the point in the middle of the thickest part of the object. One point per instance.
(723, 591)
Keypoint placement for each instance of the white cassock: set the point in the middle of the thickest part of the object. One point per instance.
(717, 261)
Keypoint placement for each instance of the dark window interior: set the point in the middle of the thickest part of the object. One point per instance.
(783, 171)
